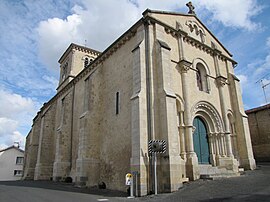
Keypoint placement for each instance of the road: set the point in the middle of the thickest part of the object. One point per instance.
(252, 186)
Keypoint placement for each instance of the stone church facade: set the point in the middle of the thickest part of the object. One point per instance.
(166, 78)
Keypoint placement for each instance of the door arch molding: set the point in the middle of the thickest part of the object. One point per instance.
(210, 116)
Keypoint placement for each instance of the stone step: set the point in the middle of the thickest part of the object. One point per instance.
(210, 172)
(218, 176)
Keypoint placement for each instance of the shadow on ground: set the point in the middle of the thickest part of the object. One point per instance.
(69, 187)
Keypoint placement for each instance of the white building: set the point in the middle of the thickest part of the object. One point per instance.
(11, 163)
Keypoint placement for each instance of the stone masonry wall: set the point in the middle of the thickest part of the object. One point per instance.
(260, 133)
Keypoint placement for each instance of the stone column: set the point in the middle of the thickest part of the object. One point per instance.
(217, 147)
(192, 169)
(223, 145)
(227, 159)
(212, 149)
(221, 82)
(192, 160)
(182, 137)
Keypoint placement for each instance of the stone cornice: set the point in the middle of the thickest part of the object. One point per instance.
(74, 46)
(86, 50)
(184, 66)
(191, 41)
(197, 44)
(221, 81)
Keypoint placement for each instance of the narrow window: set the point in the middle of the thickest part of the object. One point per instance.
(199, 79)
(62, 111)
(117, 103)
(86, 94)
(18, 172)
(19, 160)
(64, 71)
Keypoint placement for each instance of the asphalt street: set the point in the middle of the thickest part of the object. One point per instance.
(251, 186)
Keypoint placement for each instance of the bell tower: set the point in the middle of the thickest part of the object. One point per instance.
(73, 61)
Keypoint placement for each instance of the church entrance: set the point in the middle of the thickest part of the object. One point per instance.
(200, 139)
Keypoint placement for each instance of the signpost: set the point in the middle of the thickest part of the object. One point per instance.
(154, 147)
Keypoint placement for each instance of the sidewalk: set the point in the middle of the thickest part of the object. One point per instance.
(252, 186)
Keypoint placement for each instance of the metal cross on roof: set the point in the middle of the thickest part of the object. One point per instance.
(191, 8)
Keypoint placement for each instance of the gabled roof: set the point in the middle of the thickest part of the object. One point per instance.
(12, 147)
(145, 13)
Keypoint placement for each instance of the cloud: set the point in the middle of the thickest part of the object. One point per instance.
(252, 78)
(16, 112)
(237, 13)
(7, 126)
(101, 22)
(55, 34)
(268, 42)
(17, 137)
(9, 133)
(243, 80)
(12, 105)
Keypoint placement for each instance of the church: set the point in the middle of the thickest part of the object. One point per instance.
(168, 80)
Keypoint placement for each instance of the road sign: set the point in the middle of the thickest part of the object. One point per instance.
(157, 146)
(154, 147)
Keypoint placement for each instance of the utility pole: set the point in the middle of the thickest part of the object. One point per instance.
(263, 87)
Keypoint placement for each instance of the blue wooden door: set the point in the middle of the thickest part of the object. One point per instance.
(200, 139)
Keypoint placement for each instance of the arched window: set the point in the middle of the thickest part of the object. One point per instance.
(86, 62)
(201, 77)
(64, 71)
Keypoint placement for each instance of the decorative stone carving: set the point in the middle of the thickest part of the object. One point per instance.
(211, 112)
(184, 66)
(178, 26)
(196, 30)
(221, 81)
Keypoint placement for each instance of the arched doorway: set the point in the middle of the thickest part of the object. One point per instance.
(200, 139)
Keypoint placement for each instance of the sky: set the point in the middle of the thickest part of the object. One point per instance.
(35, 33)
